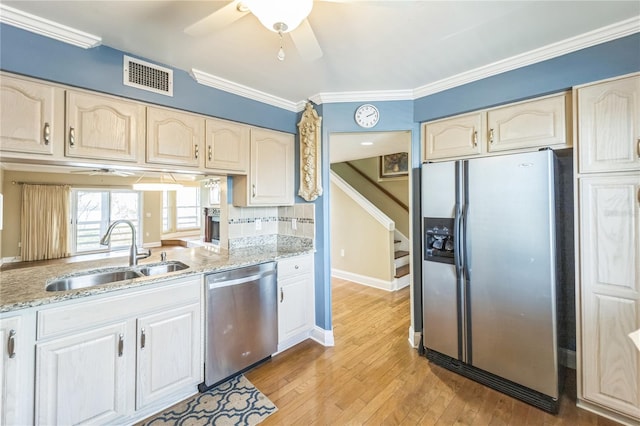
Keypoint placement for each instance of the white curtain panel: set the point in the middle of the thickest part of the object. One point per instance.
(44, 221)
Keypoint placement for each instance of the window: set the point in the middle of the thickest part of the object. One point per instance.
(94, 210)
(181, 209)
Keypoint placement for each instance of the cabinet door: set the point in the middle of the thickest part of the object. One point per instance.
(169, 353)
(271, 168)
(454, 137)
(83, 378)
(227, 146)
(609, 126)
(27, 116)
(610, 270)
(295, 300)
(100, 127)
(528, 124)
(174, 137)
(9, 369)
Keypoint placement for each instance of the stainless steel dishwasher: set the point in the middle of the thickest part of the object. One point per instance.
(242, 321)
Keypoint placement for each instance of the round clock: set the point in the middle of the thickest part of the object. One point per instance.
(367, 116)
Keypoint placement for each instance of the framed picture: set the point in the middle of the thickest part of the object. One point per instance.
(394, 166)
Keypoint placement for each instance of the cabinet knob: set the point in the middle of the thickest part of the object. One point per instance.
(46, 135)
(491, 136)
(120, 344)
(11, 344)
(72, 137)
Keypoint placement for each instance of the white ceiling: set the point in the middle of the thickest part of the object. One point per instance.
(369, 46)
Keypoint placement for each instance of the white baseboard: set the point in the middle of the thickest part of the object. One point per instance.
(364, 280)
(11, 259)
(299, 338)
(414, 338)
(401, 282)
(322, 336)
(567, 358)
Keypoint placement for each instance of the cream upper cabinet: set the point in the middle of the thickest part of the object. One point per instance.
(610, 285)
(103, 128)
(529, 124)
(271, 173)
(609, 125)
(454, 137)
(29, 114)
(295, 300)
(174, 138)
(227, 146)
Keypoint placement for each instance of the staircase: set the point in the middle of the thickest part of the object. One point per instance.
(401, 265)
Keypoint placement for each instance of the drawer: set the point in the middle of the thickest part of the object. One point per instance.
(295, 266)
(95, 310)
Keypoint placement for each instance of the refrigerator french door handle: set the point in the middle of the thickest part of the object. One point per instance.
(457, 254)
(465, 216)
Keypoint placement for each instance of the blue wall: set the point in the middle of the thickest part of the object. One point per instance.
(100, 69)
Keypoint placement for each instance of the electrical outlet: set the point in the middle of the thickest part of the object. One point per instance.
(258, 224)
(294, 223)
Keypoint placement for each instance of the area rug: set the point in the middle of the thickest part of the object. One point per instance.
(234, 402)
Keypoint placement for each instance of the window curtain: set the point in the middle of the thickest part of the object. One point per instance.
(44, 219)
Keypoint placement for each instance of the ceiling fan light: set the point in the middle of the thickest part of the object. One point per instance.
(273, 13)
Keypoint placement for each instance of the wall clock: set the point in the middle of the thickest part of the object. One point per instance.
(367, 116)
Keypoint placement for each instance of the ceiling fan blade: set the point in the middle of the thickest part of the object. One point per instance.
(306, 42)
(217, 20)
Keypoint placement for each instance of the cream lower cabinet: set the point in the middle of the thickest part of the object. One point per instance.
(174, 138)
(227, 146)
(271, 174)
(119, 358)
(296, 309)
(609, 217)
(30, 116)
(103, 128)
(17, 339)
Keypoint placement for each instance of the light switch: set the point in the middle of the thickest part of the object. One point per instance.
(294, 223)
(258, 224)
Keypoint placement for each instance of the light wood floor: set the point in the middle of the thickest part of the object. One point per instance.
(372, 376)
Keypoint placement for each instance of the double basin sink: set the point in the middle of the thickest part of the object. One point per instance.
(91, 279)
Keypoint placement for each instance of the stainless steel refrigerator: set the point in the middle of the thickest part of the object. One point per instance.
(490, 272)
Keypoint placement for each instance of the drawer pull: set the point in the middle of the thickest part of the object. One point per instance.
(47, 133)
(281, 295)
(475, 138)
(72, 137)
(11, 344)
(491, 136)
(120, 344)
(143, 339)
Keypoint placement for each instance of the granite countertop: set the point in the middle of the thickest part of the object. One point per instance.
(25, 287)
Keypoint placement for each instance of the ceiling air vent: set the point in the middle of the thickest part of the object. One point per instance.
(146, 76)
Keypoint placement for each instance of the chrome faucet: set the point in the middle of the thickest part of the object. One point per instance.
(134, 254)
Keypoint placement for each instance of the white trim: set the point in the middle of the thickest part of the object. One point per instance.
(364, 280)
(367, 205)
(47, 28)
(230, 87)
(604, 412)
(11, 259)
(365, 96)
(322, 336)
(592, 38)
(414, 337)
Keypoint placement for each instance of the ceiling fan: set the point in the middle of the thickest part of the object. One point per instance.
(280, 16)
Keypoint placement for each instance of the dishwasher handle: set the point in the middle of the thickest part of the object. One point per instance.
(242, 280)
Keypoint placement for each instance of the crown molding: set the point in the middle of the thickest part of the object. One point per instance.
(573, 44)
(229, 86)
(47, 28)
(364, 96)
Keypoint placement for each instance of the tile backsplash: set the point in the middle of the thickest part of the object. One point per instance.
(297, 220)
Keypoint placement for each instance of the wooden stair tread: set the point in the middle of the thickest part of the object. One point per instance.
(400, 253)
(402, 271)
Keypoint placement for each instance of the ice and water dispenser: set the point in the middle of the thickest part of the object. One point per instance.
(438, 239)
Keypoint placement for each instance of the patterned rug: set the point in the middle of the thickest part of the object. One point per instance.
(234, 402)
